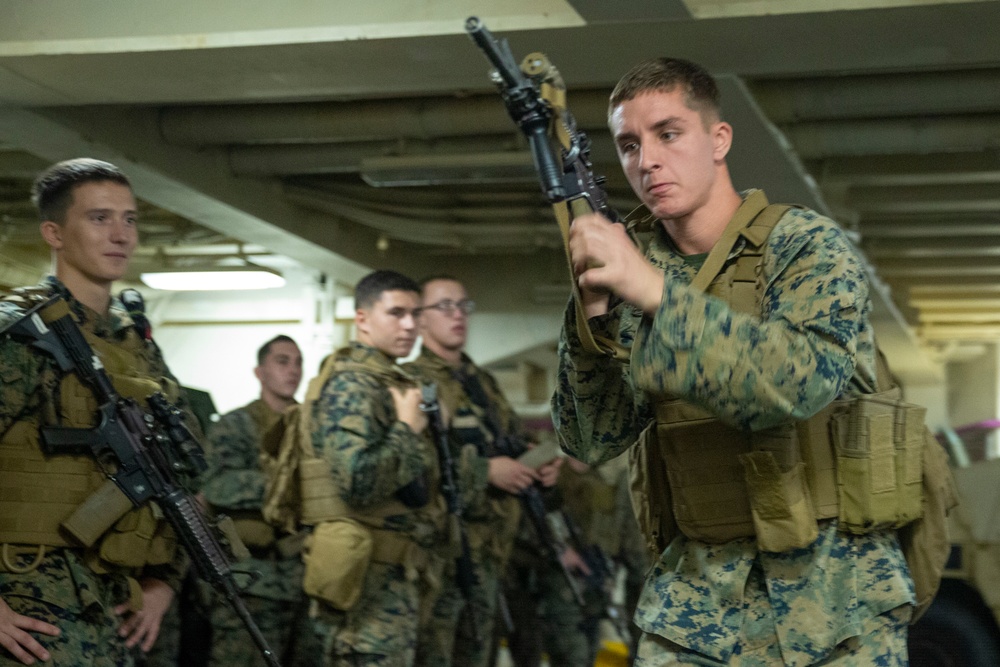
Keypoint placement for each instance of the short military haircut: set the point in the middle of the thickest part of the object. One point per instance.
(701, 93)
(52, 191)
(370, 288)
(265, 349)
(424, 282)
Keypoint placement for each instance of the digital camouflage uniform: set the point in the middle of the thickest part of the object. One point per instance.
(490, 514)
(234, 485)
(812, 343)
(64, 589)
(372, 457)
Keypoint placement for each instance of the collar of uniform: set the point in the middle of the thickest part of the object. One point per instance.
(754, 201)
(115, 321)
(373, 357)
(437, 362)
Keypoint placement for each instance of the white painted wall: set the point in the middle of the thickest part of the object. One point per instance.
(210, 339)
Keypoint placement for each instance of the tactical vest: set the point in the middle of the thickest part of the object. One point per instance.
(490, 528)
(300, 489)
(858, 460)
(66, 500)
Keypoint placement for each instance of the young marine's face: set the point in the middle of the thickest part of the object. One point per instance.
(99, 234)
(670, 158)
(281, 371)
(390, 323)
(440, 329)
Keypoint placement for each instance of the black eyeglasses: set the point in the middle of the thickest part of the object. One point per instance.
(448, 307)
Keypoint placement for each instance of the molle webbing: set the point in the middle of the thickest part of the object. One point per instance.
(858, 460)
(64, 500)
(39, 492)
(302, 478)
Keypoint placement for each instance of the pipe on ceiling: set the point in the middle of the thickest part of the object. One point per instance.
(416, 118)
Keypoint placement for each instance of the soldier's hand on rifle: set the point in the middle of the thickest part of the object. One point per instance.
(604, 259)
(548, 474)
(142, 627)
(510, 475)
(574, 561)
(407, 403)
(14, 635)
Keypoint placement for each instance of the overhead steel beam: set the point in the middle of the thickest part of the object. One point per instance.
(894, 136)
(970, 247)
(426, 118)
(876, 96)
(891, 170)
(919, 226)
(969, 198)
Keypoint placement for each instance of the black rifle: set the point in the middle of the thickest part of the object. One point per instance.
(570, 176)
(601, 579)
(464, 572)
(506, 444)
(142, 453)
(553, 546)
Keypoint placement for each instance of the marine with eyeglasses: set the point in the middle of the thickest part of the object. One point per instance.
(489, 481)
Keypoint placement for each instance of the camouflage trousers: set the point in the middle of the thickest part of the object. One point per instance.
(460, 633)
(546, 618)
(381, 629)
(66, 593)
(882, 642)
(285, 625)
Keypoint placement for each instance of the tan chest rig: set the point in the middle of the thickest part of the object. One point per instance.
(301, 490)
(66, 500)
(491, 528)
(858, 460)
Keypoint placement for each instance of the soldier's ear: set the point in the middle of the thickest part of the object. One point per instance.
(361, 320)
(52, 234)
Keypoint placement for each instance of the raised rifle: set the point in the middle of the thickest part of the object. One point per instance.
(566, 173)
(143, 453)
(535, 96)
(465, 575)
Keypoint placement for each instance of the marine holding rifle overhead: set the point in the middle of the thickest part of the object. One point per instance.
(751, 346)
(61, 598)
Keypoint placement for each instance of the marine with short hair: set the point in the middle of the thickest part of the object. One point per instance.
(725, 399)
(62, 600)
(486, 436)
(234, 485)
(368, 429)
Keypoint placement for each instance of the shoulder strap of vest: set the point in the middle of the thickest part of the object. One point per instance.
(754, 221)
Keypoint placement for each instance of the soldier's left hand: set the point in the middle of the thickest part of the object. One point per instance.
(605, 259)
(574, 561)
(142, 627)
(548, 474)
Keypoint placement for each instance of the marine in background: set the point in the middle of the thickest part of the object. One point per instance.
(486, 438)
(378, 473)
(234, 485)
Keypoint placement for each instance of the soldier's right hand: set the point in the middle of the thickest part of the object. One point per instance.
(510, 475)
(408, 410)
(14, 635)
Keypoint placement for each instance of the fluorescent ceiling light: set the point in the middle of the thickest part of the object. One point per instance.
(223, 278)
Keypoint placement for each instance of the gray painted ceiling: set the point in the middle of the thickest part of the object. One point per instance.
(258, 128)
